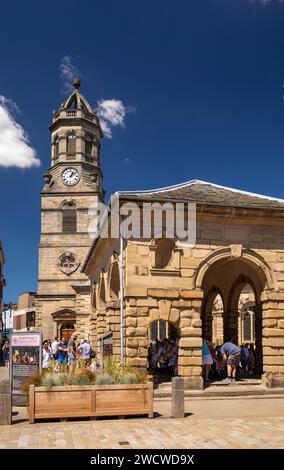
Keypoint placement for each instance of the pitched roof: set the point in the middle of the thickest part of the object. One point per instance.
(204, 192)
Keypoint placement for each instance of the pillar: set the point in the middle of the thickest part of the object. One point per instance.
(272, 338)
(190, 344)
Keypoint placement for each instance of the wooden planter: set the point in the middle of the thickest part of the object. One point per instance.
(76, 401)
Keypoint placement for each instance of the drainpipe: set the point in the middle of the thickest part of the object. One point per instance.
(121, 281)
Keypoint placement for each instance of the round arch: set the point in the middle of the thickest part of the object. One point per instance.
(253, 259)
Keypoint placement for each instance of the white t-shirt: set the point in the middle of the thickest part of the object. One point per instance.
(45, 358)
(54, 347)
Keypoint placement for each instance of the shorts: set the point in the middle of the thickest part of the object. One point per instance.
(6, 357)
(62, 359)
(234, 359)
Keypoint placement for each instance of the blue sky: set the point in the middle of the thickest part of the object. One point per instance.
(205, 78)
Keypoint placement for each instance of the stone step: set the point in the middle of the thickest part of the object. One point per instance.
(225, 391)
(242, 383)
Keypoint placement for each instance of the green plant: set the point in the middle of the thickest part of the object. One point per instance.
(129, 379)
(104, 379)
(80, 379)
(54, 379)
(113, 368)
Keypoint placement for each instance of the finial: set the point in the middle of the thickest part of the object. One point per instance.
(76, 83)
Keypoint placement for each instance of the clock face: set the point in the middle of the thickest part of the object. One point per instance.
(70, 176)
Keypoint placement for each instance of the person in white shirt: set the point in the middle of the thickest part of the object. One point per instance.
(85, 350)
(54, 348)
(46, 356)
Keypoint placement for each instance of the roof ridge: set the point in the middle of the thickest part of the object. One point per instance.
(194, 181)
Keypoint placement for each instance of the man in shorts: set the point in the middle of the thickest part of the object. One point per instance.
(232, 354)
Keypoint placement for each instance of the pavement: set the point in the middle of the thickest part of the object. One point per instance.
(253, 422)
(208, 424)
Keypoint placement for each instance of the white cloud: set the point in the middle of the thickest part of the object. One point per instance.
(68, 71)
(112, 113)
(14, 143)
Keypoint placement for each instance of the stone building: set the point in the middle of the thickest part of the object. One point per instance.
(123, 293)
(238, 256)
(73, 184)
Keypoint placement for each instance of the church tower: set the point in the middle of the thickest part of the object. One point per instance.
(73, 184)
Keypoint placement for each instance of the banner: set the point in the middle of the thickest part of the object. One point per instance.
(25, 361)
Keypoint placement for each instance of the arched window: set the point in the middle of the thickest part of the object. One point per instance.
(71, 143)
(69, 217)
(88, 145)
(247, 326)
(56, 148)
(164, 252)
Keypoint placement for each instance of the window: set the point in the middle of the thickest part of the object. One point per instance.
(163, 253)
(161, 329)
(71, 143)
(69, 218)
(247, 327)
(56, 148)
(88, 146)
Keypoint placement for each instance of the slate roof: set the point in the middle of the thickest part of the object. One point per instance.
(203, 192)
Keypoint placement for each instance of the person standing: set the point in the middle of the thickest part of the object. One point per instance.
(54, 348)
(46, 356)
(232, 355)
(6, 353)
(72, 349)
(244, 358)
(251, 359)
(207, 360)
(62, 354)
(85, 350)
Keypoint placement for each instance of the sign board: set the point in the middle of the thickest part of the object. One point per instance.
(25, 361)
(7, 322)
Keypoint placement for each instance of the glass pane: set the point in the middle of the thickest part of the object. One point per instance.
(247, 327)
(163, 330)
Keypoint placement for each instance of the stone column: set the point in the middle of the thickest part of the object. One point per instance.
(190, 344)
(136, 331)
(273, 338)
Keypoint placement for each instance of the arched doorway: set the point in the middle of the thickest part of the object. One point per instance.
(232, 292)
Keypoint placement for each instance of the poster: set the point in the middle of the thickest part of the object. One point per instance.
(25, 361)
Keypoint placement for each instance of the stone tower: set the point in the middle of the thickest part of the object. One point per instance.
(73, 183)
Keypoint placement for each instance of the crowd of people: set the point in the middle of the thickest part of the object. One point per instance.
(227, 361)
(60, 353)
(56, 354)
(163, 355)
